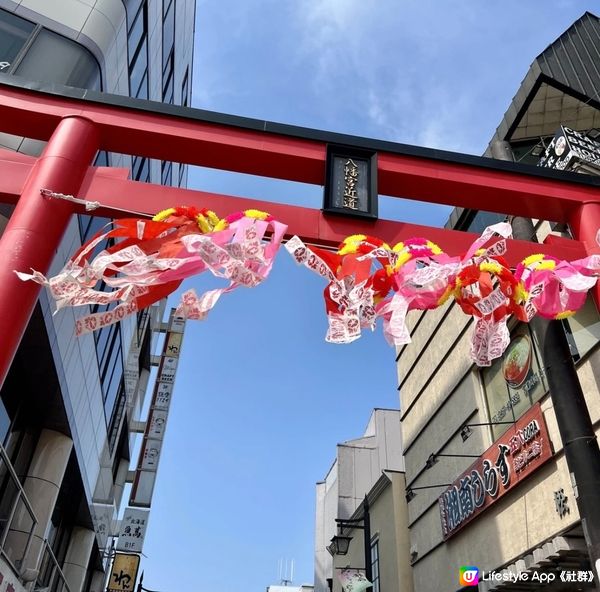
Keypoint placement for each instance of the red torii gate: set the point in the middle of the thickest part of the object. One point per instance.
(77, 124)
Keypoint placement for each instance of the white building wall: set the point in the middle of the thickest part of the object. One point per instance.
(358, 465)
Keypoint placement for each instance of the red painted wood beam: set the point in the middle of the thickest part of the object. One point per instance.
(164, 137)
(255, 151)
(309, 224)
(111, 188)
(477, 188)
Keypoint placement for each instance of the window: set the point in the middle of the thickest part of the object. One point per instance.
(138, 70)
(110, 359)
(116, 417)
(185, 88)
(514, 382)
(583, 329)
(167, 173)
(54, 58)
(141, 169)
(168, 79)
(375, 564)
(168, 28)
(182, 170)
(14, 33)
(137, 48)
(137, 31)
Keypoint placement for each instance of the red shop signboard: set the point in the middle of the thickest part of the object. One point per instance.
(520, 451)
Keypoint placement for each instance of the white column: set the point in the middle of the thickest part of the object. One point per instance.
(120, 480)
(98, 580)
(41, 486)
(78, 557)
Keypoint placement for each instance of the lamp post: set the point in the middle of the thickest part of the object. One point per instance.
(341, 543)
(141, 588)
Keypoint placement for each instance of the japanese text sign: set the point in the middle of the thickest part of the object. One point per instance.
(521, 450)
(133, 530)
(123, 573)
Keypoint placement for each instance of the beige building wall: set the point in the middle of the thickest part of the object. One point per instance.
(440, 391)
(388, 514)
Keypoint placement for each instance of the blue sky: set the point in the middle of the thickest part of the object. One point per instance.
(260, 399)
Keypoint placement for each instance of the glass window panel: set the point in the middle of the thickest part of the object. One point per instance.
(137, 31)
(583, 329)
(182, 169)
(167, 173)
(482, 220)
(168, 32)
(90, 225)
(166, 5)
(112, 392)
(53, 58)
(14, 33)
(141, 169)
(375, 565)
(102, 337)
(145, 171)
(516, 381)
(4, 423)
(107, 358)
(184, 89)
(138, 69)
(101, 158)
(132, 7)
(168, 88)
(142, 92)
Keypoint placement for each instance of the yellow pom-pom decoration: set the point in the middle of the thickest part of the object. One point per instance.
(162, 215)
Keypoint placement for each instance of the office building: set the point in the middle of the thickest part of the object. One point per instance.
(509, 508)
(68, 404)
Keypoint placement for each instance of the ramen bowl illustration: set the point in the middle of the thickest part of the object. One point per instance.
(517, 361)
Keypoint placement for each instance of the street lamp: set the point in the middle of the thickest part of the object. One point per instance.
(341, 543)
(140, 588)
(465, 430)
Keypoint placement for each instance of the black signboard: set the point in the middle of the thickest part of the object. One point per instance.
(351, 182)
(569, 148)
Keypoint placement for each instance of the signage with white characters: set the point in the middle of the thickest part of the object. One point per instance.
(156, 424)
(520, 451)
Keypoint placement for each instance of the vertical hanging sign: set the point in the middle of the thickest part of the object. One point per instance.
(350, 182)
(145, 474)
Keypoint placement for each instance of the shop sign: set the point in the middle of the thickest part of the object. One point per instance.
(124, 573)
(521, 450)
(156, 424)
(133, 530)
(569, 147)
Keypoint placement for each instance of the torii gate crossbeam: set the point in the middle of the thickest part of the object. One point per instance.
(77, 124)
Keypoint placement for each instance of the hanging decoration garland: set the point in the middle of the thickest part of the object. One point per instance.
(149, 259)
(368, 279)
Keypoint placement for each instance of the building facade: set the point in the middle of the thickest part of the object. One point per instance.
(70, 406)
(358, 465)
(487, 478)
(389, 543)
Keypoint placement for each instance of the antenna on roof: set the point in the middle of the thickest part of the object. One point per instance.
(283, 572)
